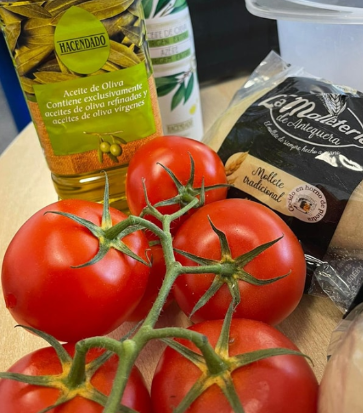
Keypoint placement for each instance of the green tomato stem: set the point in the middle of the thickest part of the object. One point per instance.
(77, 373)
(128, 356)
(214, 362)
(147, 331)
(173, 268)
(132, 220)
(202, 269)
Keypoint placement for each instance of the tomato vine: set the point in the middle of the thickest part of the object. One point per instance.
(75, 379)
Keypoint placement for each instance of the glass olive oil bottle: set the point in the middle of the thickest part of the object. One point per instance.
(86, 74)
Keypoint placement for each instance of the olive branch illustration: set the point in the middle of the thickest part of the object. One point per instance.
(108, 144)
(181, 83)
(163, 7)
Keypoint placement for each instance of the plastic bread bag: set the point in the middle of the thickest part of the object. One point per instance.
(294, 142)
(342, 381)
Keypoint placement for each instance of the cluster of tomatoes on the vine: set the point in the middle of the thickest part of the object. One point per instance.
(47, 286)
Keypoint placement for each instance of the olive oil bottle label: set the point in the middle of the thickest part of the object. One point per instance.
(86, 73)
(114, 105)
(86, 49)
(171, 42)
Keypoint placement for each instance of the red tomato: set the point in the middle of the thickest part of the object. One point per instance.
(19, 397)
(42, 290)
(278, 384)
(156, 278)
(246, 224)
(174, 153)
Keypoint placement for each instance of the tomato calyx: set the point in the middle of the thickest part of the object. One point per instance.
(76, 375)
(108, 235)
(187, 192)
(228, 270)
(221, 374)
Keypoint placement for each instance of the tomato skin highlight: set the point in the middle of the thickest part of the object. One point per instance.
(174, 153)
(247, 224)
(279, 384)
(42, 290)
(19, 397)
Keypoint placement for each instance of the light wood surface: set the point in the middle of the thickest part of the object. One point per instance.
(25, 187)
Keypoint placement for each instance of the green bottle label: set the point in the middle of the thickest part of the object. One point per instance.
(81, 41)
(78, 113)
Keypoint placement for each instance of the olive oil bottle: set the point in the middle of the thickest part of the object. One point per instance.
(171, 43)
(86, 73)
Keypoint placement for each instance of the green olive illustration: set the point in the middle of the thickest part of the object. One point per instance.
(105, 147)
(115, 149)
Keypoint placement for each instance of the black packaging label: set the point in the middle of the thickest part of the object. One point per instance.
(299, 150)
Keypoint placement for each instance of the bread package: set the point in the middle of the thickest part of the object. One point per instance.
(295, 143)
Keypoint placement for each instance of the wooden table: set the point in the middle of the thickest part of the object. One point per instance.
(26, 187)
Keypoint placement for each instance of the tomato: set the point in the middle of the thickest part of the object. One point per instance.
(174, 153)
(156, 277)
(19, 397)
(246, 224)
(42, 290)
(278, 384)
